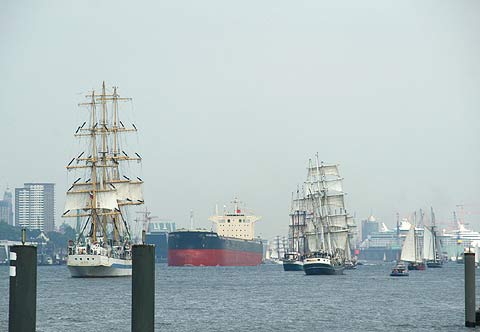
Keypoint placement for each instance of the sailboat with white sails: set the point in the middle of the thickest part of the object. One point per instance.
(101, 194)
(330, 224)
(411, 250)
(432, 252)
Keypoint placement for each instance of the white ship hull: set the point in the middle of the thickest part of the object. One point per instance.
(97, 266)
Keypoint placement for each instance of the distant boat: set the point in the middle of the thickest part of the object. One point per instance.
(292, 262)
(411, 253)
(431, 246)
(400, 270)
(350, 262)
(293, 259)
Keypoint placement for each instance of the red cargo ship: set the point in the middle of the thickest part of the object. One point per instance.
(233, 243)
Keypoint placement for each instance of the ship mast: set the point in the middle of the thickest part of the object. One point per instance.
(93, 232)
(317, 214)
(293, 210)
(325, 210)
(299, 208)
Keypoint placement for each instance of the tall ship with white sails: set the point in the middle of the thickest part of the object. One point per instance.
(432, 248)
(103, 190)
(293, 258)
(329, 225)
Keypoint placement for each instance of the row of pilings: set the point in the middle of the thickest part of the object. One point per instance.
(23, 288)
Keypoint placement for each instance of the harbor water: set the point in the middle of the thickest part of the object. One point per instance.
(262, 298)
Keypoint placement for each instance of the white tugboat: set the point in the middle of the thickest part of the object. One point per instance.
(100, 195)
(331, 225)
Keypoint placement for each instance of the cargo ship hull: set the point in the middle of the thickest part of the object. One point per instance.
(194, 248)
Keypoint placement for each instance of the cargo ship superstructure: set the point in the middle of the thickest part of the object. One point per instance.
(232, 243)
(101, 194)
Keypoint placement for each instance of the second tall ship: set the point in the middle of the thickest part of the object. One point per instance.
(232, 244)
(328, 226)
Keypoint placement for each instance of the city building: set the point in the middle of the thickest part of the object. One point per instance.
(35, 206)
(6, 208)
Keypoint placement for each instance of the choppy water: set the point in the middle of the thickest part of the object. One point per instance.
(263, 298)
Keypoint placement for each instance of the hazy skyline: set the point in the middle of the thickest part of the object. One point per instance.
(232, 99)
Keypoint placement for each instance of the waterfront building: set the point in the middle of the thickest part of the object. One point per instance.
(6, 209)
(35, 206)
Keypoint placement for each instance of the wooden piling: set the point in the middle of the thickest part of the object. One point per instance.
(143, 288)
(469, 261)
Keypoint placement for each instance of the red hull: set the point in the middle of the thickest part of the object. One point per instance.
(212, 257)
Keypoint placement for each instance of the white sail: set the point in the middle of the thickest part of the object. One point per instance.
(78, 201)
(339, 221)
(339, 239)
(351, 222)
(299, 204)
(312, 241)
(348, 254)
(107, 200)
(409, 247)
(129, 190)
(335, 203)
(83, 200)
(333, 185)
(327, 170)
(428, 245)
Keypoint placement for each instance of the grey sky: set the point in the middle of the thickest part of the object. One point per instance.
(232, 98)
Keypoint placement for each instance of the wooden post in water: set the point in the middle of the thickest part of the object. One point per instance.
(469, 261)
(143, 288)
(23, 289)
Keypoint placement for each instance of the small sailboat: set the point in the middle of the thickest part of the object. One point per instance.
(350, 262)
(432, 246)
(292, 261)
(400, 270)
(411, 251)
